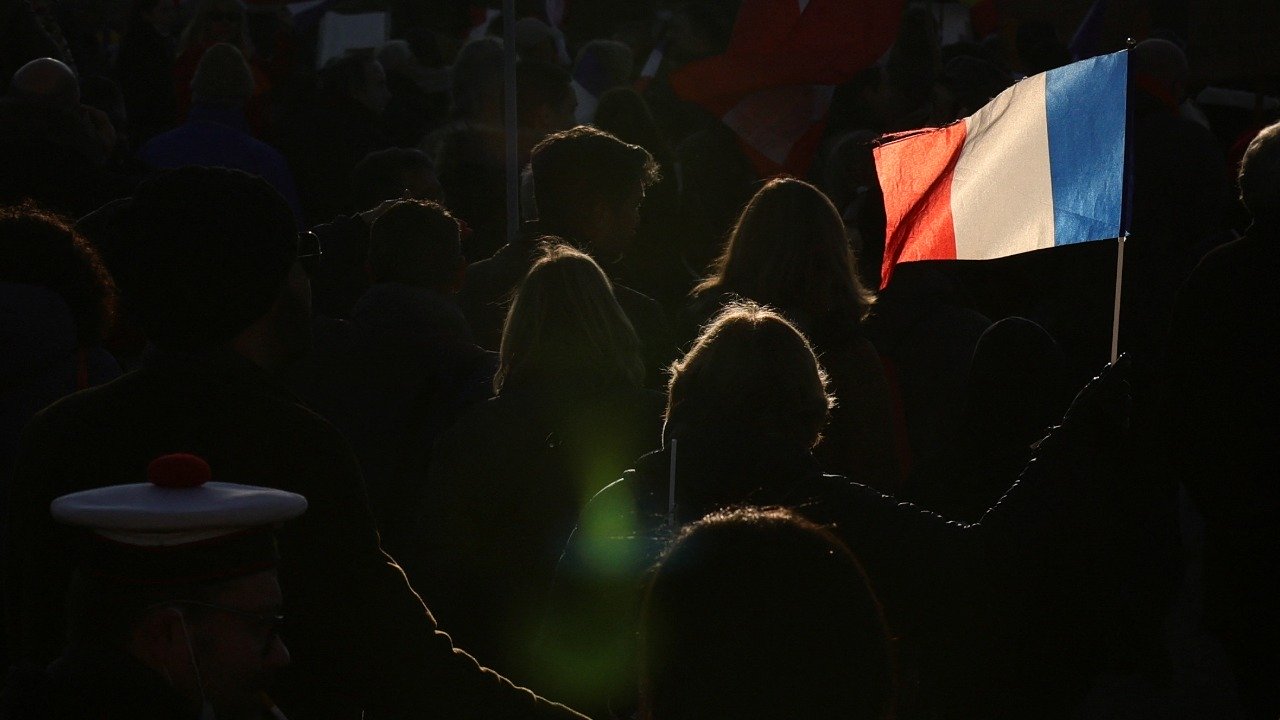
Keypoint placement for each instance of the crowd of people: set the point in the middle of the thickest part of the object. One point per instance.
(665, 450)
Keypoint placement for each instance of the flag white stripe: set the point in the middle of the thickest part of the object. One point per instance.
(1002, 190)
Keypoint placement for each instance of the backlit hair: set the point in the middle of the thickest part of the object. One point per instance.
(416, 242)
(750, 372)
(40, 248)
(564, 322)
(755, 614)
(1260, 174)
(574, 168)
(789, 250)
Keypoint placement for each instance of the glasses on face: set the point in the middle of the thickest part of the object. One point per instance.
(309, 252)
(268, 624)
(230, 16)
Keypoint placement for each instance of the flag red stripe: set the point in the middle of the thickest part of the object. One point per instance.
(915, 175)
(775, 44)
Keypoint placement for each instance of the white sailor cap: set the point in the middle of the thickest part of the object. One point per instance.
(179, 526)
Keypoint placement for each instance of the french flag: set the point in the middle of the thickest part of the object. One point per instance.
(1041, 165)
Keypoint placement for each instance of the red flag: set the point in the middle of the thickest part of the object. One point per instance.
(773, 85)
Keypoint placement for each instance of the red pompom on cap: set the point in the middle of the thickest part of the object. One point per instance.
(179, 470)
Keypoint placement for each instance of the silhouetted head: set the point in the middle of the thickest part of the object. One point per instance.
(476, 89)
(1160, 66)
(1017, 384)
(202, 254)
(973, 82)
(915, 60)
(607, 62)
(565, 324)
(1039, 47)
(1260, 175)
(40, 248)
(358, 78)
(753, 376)
(223, 77)
(417, 242)
(393, 173)
(588, 186)
(535, 40)
(47, 81)
(396, 57)
(544, 98)
(789, 250)
(761, 614)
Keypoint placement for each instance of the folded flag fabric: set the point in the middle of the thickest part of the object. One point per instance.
(1043, 164)
(774, 84)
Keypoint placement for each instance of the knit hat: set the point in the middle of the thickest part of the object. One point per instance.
(222, 76)
(179, 527)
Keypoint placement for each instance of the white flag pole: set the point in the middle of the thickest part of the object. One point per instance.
(1115, 317)
(509, 118)
(1126, 206)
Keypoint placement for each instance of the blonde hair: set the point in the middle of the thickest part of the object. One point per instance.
(788, 249)
(1259, 176)
(753, 372)
(565, 322)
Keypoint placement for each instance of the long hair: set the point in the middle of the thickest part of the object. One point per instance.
(564, 323)
(753, 373)
(789, 250)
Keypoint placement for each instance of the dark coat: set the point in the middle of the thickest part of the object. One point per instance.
(926, 334)
(391, 379)
(953, 593)
(358, 634)
(40, 362)
(218, 136)
(91, 685)
(506, 485)
(487, 294)
(1222, 394)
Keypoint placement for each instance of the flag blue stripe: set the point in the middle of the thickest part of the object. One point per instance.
(1085, 112)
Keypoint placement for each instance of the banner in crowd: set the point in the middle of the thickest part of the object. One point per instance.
(1041, 165)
